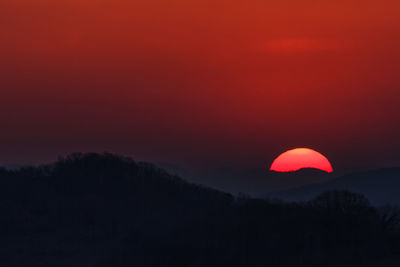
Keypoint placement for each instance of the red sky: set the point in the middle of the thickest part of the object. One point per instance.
(200, 83)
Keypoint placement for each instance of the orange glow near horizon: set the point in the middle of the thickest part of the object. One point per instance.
(300, 158)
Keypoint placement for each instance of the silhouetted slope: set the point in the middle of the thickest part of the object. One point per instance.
(253, 182)
(88, 199)
(105, 210)
(379, 186)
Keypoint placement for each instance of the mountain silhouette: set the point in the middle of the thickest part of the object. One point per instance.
(380, 186)
(106, 210)
(254, 182)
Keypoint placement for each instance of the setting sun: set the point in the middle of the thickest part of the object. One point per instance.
(300, 158)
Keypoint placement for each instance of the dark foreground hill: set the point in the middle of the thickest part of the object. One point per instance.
(380, 186)
(104, 210)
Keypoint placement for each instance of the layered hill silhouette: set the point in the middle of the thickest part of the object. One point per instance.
(380, 186)
(253, 182)
(107, 210)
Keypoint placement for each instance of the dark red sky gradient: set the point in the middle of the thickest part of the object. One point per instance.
(201, 83)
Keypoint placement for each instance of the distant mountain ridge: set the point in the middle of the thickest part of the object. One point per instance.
(380, 186)
(254, 182)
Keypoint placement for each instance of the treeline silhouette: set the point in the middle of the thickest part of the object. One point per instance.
(106, 210)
